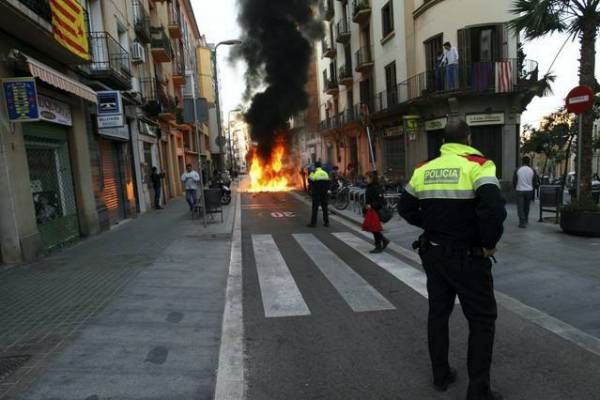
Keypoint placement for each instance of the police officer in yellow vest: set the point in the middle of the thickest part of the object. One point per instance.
(319, 187)
(456, 199)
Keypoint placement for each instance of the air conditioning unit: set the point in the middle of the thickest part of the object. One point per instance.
(138, 55)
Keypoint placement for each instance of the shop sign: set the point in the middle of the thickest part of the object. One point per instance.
(485, 119)
(54, 111)
(411, 126)
(20, 96)
(147, 129)
(110, 109)
(436, 124)
(119, 133)
(393, 131)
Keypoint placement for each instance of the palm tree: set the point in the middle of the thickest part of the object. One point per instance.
(580, 19)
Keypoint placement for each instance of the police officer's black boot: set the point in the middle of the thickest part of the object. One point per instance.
(450, 378)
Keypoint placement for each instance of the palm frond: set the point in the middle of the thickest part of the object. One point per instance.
(537, 18)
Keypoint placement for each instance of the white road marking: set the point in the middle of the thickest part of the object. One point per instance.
(562, 329)
(231, 382)
(280, 294)
(410, 276)
(357, 292)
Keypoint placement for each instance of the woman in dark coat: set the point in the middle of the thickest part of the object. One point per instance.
(374, 200)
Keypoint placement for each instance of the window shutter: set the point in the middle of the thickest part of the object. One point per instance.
(464, 46)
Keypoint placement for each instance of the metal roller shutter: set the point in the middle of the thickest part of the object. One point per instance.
(112, 193)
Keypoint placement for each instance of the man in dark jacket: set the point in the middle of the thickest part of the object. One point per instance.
(456, 199)
(319, 187)
(155, 179)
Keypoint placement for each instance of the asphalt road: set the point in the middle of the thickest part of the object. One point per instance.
(323, 319)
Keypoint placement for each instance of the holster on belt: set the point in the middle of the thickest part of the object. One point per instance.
(421, 244)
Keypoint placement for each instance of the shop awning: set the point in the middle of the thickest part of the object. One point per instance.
(57, 79)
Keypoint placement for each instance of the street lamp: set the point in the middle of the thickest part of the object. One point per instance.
(220, 139)
(236, 110)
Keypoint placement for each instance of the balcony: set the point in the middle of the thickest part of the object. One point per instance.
(361, 11)
(109, 63)
(141, 22)
(40, 7)
(329, 50)
(178, 68)
(343, 31)
(160, 46)
(349, 115)
(174, 20)
(328, 9)
(331, 86)
(364, 60)
(31, 22)
(345, 75)
(168, 107)
(463, 80)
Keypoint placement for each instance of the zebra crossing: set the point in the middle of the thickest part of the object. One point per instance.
(282, 297)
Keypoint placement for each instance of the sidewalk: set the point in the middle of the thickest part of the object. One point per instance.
(133, 313)
(540, 266)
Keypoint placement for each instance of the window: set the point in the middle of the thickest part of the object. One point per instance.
(390, 83)
(387, 19)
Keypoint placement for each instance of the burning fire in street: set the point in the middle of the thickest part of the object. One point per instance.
(276, 175)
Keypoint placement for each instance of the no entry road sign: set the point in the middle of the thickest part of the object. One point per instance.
(580, 99)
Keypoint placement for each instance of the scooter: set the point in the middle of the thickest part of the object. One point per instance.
(225, 192)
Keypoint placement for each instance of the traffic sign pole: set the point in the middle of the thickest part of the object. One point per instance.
(579, 100)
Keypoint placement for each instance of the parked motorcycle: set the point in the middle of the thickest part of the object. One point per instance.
(225, 191)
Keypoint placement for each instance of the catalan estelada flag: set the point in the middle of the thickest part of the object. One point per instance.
(68, 25)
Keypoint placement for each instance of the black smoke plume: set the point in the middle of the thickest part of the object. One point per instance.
(278, 37)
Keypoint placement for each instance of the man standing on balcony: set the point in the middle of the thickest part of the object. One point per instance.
(451, 62)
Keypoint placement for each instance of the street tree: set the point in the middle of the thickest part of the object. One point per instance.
(580, 19)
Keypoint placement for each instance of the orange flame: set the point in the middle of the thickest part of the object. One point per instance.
(272, 176)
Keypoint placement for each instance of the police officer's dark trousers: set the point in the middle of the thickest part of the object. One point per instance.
(452, 272)
(319, 198)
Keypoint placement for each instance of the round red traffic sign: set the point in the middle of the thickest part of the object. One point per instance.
(580, 99)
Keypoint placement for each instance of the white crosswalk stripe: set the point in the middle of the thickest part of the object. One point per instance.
(359, 295)
(412, 277)
(280, 294)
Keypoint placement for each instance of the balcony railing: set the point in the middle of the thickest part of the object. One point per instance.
(40, 7)
(506, 76)
(148, 89)
(174, 20)
(161, 45)
(345, 75)
(178, 67)
(141, 21)
(364, 59)
(349, 116)
(109, 61)
(361, 11)
(331, 86)
(328, 48)
(343, 31)
(328, 9)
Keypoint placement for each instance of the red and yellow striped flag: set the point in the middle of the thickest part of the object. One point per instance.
(68, 24)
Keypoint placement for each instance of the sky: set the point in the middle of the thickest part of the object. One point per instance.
(218, 21)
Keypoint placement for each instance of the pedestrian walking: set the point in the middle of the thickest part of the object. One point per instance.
(525, 182)
(319, 187)
(374, 202)
(155, 179)
(456, 199)
(451, 62)
(190, 180)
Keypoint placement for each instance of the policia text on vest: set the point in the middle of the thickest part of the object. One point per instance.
(456, 199)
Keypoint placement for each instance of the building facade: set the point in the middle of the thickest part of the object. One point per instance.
(74, 171)
(400, 88)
